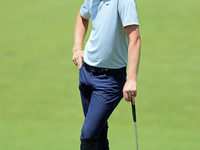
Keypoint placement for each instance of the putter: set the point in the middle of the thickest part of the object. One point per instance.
(134, 119)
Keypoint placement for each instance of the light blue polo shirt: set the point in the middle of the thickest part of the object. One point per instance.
(107, 46)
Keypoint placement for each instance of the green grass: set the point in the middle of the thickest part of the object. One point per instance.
(39, 99)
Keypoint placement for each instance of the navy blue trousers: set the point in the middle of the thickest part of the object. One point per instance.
(100, 94)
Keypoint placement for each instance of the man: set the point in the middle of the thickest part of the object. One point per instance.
(114, 41)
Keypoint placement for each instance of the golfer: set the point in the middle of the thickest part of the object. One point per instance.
(114, 41)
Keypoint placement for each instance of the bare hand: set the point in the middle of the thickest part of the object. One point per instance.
(77, 58)
(130, 91)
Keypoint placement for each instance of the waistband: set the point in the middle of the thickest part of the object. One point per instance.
(102, 70)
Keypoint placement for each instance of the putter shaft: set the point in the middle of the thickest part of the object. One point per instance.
(134, 119)
(136, 137)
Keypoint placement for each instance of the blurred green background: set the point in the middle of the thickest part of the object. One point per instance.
(40, 105)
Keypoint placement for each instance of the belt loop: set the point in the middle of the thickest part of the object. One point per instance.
(89, 67)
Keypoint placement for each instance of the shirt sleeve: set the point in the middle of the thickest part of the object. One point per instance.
(85, 9)
(128, 12)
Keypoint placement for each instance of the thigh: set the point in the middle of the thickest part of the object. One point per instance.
(84, 88)
(85, 98)
(106, 94)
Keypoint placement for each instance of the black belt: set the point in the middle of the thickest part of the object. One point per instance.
(103, 70)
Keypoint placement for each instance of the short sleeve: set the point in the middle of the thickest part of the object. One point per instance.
(128, 12)
(85, 9)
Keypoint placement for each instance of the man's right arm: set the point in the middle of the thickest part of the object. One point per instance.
(81, 27)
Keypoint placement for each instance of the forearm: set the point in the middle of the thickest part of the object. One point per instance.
(130, 87)
(133, 59)
(81, 27)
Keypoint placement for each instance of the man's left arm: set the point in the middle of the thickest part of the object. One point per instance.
(130, 87)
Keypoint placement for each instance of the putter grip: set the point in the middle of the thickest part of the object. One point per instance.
(133, 112)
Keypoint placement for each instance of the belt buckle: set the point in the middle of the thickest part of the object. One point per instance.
(105, 70)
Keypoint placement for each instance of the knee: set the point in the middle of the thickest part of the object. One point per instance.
(88, 140)
(87, 134)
